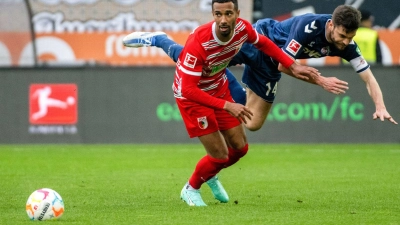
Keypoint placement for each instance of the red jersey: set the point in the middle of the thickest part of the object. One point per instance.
(200, 70)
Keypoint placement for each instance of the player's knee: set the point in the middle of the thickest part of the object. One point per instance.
(238, 144)
(253, 126)
(220, 155)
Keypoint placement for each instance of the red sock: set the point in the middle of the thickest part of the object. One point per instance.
(206, 168)
(235, 155)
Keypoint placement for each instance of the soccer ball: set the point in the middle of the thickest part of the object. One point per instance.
(44, 204)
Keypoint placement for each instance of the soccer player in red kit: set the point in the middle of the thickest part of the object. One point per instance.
(202, 95)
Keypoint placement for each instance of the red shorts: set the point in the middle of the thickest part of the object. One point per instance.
(201, 120)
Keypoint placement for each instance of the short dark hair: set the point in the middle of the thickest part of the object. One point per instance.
(235, 3)
(347, 16)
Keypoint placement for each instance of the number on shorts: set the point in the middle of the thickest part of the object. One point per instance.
(271, 90)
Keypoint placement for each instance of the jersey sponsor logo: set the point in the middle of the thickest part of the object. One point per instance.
(203, 123)
(312, 53)
(293, 47)
(218, 68)
(310, 27)
(190, 61)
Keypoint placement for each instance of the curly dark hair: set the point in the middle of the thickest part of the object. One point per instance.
(235, 3)
(346, 16)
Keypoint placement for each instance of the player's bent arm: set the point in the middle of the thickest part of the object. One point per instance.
(192, 92)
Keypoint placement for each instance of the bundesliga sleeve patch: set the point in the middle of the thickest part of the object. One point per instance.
(190, 61)
(293, 47)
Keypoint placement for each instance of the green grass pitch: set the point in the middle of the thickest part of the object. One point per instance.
(140, 184)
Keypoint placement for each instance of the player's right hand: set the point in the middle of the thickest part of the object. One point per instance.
(382, 114)
(239, 111)
(332, 85)
(304, 72)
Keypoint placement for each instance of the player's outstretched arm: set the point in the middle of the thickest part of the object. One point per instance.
(330, 84)
(376, 94)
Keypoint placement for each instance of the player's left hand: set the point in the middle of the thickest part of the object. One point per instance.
(332, 84)
(382, 114)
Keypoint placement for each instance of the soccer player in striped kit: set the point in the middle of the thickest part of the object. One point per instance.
(201, 91)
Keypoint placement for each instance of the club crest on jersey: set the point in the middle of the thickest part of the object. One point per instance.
(190, 61)
(202, 121)
(325, 50)
(293, 47)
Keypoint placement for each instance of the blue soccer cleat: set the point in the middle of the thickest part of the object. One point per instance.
(191, 196)
(218, 190)
(142, 39)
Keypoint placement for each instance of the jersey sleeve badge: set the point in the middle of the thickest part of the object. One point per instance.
(190, 60)
(293, 47)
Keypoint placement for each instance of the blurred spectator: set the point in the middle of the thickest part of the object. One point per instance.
(367, 39)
